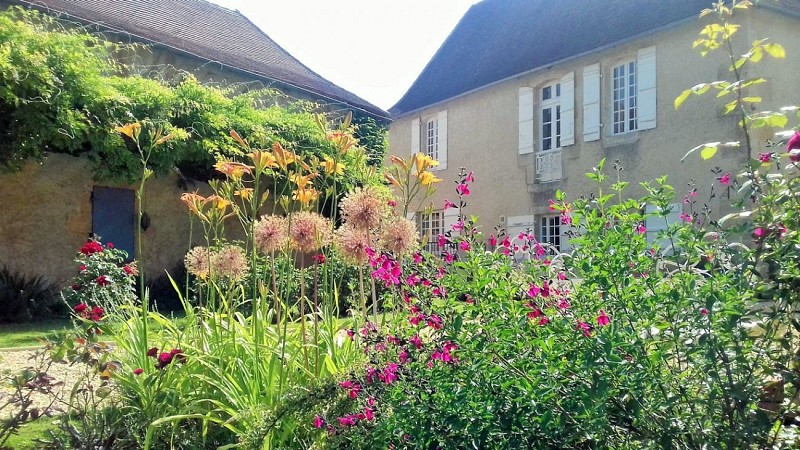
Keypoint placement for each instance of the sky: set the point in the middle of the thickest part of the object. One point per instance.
(373, 48)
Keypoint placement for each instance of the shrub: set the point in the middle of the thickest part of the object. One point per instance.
(24, 298)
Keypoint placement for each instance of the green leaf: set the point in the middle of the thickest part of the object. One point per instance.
(682, 98)
(775, 50)
(708, 152)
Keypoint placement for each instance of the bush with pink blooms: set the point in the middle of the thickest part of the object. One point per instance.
(623, 342)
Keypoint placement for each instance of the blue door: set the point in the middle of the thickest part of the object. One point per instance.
(113, 217)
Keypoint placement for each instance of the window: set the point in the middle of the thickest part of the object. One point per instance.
(550, 125)
(429, 136)
(633, 94)
(432, 138)
(430, 227)
(625, 98)
(550, 231)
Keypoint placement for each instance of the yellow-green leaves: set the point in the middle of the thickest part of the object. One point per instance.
(710, 149)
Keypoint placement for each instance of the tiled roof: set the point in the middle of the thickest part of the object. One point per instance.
(497, 39)
(210, 32)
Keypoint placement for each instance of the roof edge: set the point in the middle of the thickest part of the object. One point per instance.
(378, 113)
(540, 68)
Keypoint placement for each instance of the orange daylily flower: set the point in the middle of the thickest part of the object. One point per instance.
(343, 141)
(391, 179)
(217, 202)
(262, 160)
(332, 167)
(166, 138)
(427, 178)
(302, 180)
(399, 161)
(305, 195)
(195, 203)
(245, 193)
(233, 170)
(129, 129)
(424, 162)
(282, 157)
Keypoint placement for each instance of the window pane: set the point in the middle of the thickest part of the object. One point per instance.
(547, 93)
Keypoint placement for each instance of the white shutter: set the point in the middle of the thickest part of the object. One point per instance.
(568, 109)
(591, 103)
(442, 130)
(525, 120)
(450, 217)
(646, 88)
(415, 136)
(657, 223)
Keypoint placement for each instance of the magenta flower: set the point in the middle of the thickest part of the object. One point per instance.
(458, 226)
(686, 217)
(603, 319)
(464, 246)
(435, 322)
(448, 204)
(703, 312)
(369, 414)
(562, 276)
(551, 204)
(418, 258)
(758, 233)
(725, 180)
(640, 228)
(765, 157)
(462, 189)
(533, 291)
(138, 371)
(543, 321)
(441, 240)
(585, 327)
(416, 341)
(449, 257)
(492, 241)
(318, 422)
(470, 177)
(793, 147)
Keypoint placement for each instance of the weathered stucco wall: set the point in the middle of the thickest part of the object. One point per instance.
(47, 215)
(483, 130)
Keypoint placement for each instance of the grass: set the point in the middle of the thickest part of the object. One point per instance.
(31, 334)
(28, 434)
(15, 335)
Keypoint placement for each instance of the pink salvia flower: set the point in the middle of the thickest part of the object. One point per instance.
(492, 241)
(462, 189)
(603, 319)
(725, 180)
(793, 147)
(318, 422)
(640, 228)
(418, 258)
(585, 327)
(464, 245)
(470, 177)
(441, 240)
(416, 341)
(703, 312)
(448, 204)
(765, 157)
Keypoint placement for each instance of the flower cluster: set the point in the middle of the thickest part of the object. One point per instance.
(104, 277)
(229, 262)
(164, 359)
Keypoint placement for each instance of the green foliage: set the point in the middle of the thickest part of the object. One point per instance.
(62, 91)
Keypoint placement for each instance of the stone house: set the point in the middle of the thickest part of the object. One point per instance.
(51, 208)
(532, 94)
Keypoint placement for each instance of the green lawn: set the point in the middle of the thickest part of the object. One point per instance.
(29, 433)
(15, 335)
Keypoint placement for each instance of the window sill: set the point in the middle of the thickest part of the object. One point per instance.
(619, 140)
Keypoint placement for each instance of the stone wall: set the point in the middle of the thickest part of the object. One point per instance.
(46, 216)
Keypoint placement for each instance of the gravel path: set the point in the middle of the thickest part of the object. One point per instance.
(15, 361)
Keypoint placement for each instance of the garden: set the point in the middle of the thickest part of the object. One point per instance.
(311, 317)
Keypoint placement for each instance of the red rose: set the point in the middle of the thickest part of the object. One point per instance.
(152, 352)
(165, 358)
(793, 147)
(76, 287)
(91, 247)
(80, 307)
(102, 280)
(319, 259)
(138, 371)
(110, 245)
(82, 267)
